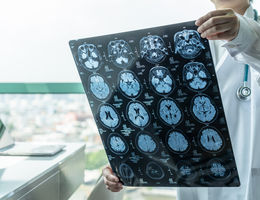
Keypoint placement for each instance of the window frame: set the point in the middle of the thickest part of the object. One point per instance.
(41, 88)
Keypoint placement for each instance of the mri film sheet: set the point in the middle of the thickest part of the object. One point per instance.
(155, 98)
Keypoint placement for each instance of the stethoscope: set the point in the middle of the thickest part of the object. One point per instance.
(244, 92)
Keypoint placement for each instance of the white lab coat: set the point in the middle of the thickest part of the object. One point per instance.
(243, 118)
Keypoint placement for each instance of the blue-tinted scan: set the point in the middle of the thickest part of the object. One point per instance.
(120, 53)
(146, 143)
(126, 172)
(99, 87)
(218, 170)
(196, 75)
(161, 80)
(185, 170)
(108, 116)
(117, 144)
(153, 49)
(156, 102)
(154, 171)
(210, 139)
(129, 84)
(177, 141)
(169, 112)
(203, 109)
(89, 56)
(188, 44)
(138, 114)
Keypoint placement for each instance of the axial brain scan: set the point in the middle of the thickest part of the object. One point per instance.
(126, 172)
(138, 114)
(89, 56)
(117, 144)
(217, 169)
(196, 75)
(188, 44)
(210, 139)
(120, 53)
(177, 142)
(146, 143)
(153, 49)
(169, 112)
(161, 80)
(99, 87)
(185, 170)
(108, 116)
(203, 109)
(129, 84)
(154, 171)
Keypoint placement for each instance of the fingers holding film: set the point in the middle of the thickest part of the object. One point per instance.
(212, 14)
(111, 183)
(229, 35)
(109, 175)
(213, 22)
(214, 30)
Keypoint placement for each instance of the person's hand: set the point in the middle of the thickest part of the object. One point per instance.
(112, 182)
(219, 25)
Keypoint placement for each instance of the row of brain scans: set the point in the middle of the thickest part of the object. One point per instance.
(152, 48)
(209, 139)
(154, 171)
(195, 75)
(159, 121)
(170, 113)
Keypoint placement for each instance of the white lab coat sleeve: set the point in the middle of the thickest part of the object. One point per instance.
(245, 48)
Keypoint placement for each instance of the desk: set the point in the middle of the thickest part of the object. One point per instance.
(42, 178)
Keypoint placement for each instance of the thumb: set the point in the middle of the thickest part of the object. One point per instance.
(109, 174)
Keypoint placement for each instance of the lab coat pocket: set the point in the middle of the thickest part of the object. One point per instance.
(254, 192)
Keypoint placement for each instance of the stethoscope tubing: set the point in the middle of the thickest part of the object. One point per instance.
(240, 94)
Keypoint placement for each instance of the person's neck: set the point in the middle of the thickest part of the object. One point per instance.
(240, 9)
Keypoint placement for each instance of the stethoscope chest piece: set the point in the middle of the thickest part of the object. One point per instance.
(243, 93)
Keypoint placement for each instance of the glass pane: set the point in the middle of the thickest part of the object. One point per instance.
(65, 118)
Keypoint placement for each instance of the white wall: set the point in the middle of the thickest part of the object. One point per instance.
(34, 34)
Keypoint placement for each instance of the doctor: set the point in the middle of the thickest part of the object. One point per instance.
(234, 35)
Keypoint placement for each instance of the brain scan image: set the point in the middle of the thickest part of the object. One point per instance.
(196, 75)
(138, 114)
(177, 142)
(108, 116)
(146, 143)
(156, 103)
(185, 170)
(203, 109)
(117, 144)
(120, 53)
(99, 87)
(161, 80)
(154, 171)
(210, 139)
(129, 84)
(169, 112)
(153, 49)
(89, 56)
(217, 169)
(126, 172)
(188, 44)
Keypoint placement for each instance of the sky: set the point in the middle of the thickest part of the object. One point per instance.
(34, 35)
